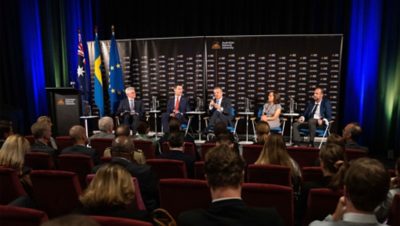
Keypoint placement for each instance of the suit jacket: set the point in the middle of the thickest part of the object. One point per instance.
(79, 149)
(226, 104)
(124, 106)
(183, 105)
(325, 109)
(232, 212)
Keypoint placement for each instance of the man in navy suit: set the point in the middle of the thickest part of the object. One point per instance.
(318, 113)
(177, 107)
(224, 170)
(220, 108)
(130, 109)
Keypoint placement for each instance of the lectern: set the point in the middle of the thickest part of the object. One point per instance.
(65, 108)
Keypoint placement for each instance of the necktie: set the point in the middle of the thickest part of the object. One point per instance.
(177, 104)
(313, 110)
(132, 105)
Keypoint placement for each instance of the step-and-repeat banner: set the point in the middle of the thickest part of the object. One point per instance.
(244, 66)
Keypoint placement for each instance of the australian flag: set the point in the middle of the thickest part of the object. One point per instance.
(116, 82)
(81, 74)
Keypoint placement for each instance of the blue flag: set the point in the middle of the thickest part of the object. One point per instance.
(98, 78)
(116, 82)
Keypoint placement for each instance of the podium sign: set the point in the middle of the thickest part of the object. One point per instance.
(65, 108)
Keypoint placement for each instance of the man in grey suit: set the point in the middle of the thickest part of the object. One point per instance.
(130, 109)
(366, 184)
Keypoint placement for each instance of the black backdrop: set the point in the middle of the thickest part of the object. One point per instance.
(244, 66)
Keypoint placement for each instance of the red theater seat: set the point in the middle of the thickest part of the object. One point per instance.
(147, 147)
(10, 187)
(269, 174)
(115, 221)
(251, 152)
(80, 164)
(168, 168)
(100, 144)
(39, 160)
(18, 216)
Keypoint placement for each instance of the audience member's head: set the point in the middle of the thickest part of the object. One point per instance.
(174, 125)
(78, 134)
(334, 138)
(41, 130)
(123, 146)
(176, 141)
(225, 139)
(366, 184)
(122, 130)
(274, 152)
(333, 161)
(72, 219)
(5, 129)
(352, 131)
(143, 128)
(112, 186)
(106, 124)
(220, 128)
(223, 168)
(12, 153)
(45, 119)
(262, 132)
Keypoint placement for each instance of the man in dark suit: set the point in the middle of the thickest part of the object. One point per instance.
(224, 170)
(130, 109)
(351, 133)
(78, 134)
(176, 152)
(220, 108)
(177, 107)
(317, 114)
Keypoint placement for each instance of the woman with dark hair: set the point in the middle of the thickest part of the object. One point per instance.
(272, 110)
(262, 132)
(111, 193)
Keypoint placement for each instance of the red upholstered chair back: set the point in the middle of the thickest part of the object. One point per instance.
(18, 216)
(178, 195)
(312, 173)
(30, 138)
(147, 147)
(56, 192)
(251, 152)
(10, 187)
(115, 221)
(355, 154)
(168, 168)
(199, 170)
(138, 195)
(269, 174)
(78, 163)
(271, 195)
(63, 142)
(189, 148)
(39, 160)
(204, 149)
(394, 214)
(320, 203)
(100, 144)
(304, 156)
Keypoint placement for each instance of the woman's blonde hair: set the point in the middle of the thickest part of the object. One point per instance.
(112, 186)
(12, 153)
(274, 152)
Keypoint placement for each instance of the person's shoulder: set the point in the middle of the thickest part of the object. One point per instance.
(265, 214)
(192, 217)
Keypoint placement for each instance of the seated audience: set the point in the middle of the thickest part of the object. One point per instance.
(42, 133)
(227, 139)
(366, 184)
(274, 152)
(5, 130)
(106, 126)
(175, 127)
(12, 155)
(124, 153)
(78, 134)
(224, 171)
(351, 134)
(262, 132)
(176, 152)
(142, 133)
(382, 210)
(333, 161)
(111, 193)
(46, 119)
(334, 138)
(123, 130)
